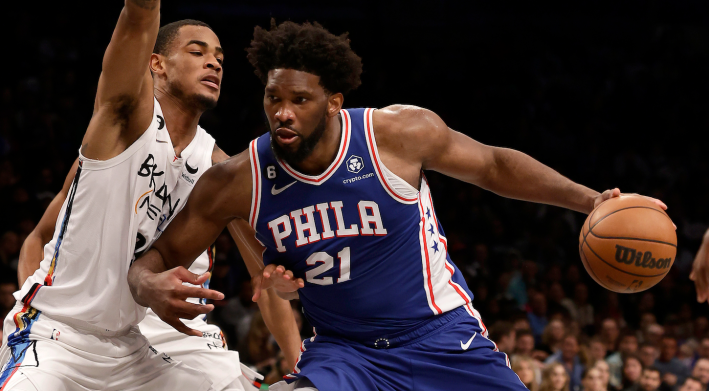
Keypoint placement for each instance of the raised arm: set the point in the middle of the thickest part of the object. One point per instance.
(221, 195)
(413, 138)
(123, 106)
(32, 251)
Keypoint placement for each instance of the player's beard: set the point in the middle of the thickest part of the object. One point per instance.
(200, 102)
(306, 147)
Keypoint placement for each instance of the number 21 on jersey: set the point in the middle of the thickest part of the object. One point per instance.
(328, 263)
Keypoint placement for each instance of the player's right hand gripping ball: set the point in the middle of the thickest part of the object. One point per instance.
(628, 244)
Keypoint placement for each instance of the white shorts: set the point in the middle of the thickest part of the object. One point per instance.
(40, 353)
(208, 354)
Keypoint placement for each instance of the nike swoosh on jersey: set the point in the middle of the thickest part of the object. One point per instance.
(275, 191)
(466, 345)
(190, 169)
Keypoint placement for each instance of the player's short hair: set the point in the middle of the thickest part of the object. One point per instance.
(168, 33)
(306, 47)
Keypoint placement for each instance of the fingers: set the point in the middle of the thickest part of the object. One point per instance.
(268, 270)
(300, 282)
(179, 326)
(614, 193)
(199, 293)
(187, 276)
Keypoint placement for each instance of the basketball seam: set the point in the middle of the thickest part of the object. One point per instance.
(586, 262)
(640, 239)
(620, 270)
(629, 207)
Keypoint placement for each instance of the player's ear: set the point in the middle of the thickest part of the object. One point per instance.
(156, 64)
(334, 104)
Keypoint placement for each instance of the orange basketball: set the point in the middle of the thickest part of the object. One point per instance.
(628, 244)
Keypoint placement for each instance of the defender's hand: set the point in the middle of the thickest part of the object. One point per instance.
(277, 277)
(700, 271)
(166, 295)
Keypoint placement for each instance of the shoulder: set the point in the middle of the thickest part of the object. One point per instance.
(218, 155)
(228, 184)
(410, 129)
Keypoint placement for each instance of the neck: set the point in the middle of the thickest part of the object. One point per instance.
(180, 119)
(326, 149)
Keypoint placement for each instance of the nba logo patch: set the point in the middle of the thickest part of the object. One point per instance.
(355, 164)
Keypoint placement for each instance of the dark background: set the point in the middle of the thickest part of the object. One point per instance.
(607, 93)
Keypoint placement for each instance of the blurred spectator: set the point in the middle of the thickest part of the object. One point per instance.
(524, 344)
(568, 356)
(554, 378)
(503, 335)
(686, 355)
(552, 336)
(555, 298)
(579, 308)
(610, 333)
(628, 345)
(9, 250)
(692, 384)
(653, 334)
(632, 370)
(8, 286)
(603, 369)
(701, 371)
(596, 350)
(648, 354)
(525, 368)
(672, 370)
(650, 379)
(257, 349)
(279, 370)
(537, 315)
(703, 350)
(591, 380)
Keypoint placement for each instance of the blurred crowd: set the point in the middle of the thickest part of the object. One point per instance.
(614, 94)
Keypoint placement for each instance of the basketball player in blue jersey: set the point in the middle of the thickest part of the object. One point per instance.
(339, 200)
(75, 324)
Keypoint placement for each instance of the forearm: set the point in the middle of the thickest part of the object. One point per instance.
(278, 316)
(31, 256)
(148, 264)
(519, 176)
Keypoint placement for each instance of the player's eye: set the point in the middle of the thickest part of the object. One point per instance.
(300, 99)
(197, 53)
(220, 61)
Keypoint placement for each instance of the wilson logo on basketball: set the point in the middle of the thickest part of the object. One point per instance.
(629, 255)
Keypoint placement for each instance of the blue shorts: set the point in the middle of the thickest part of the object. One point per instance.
(450, 351)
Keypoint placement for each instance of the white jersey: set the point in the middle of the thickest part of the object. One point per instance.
(114, 211)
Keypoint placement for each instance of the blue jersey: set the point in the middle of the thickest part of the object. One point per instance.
(368, 245)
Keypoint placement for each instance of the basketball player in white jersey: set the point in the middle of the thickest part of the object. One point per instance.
(75, 324)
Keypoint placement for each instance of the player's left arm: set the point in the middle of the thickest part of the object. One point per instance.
(276, 312)
(424, 139)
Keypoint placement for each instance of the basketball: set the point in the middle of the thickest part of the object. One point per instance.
(628, 244)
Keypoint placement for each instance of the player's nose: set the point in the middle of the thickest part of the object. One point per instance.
(284, 114)
(213, 63)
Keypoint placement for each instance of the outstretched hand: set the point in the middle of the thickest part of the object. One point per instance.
(166, 296)
(277, 277)
(613, 193)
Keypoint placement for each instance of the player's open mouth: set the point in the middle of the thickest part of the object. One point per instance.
(286, 136)
(211, 81)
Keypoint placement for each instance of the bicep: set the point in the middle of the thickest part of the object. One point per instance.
(213, 203)
(125, 73)
(461, 157)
